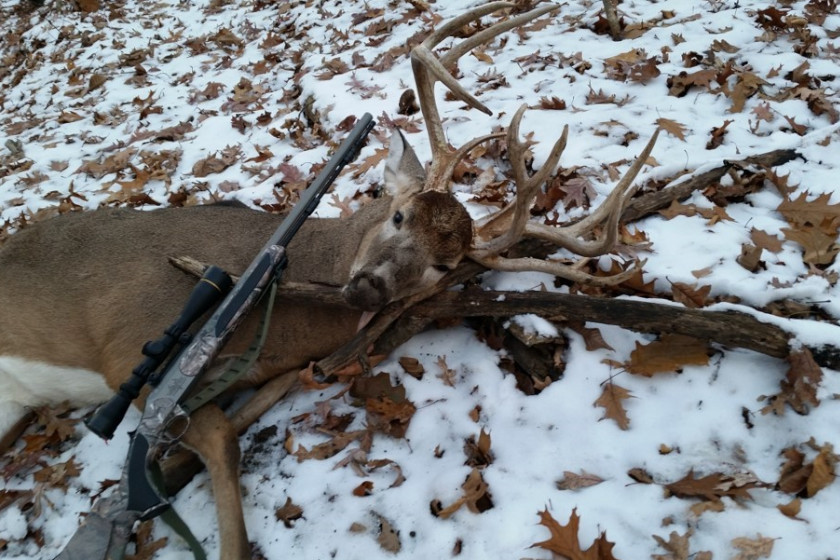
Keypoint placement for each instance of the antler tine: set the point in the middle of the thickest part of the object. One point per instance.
(566, 237)
(458, 22)
(569, 272)
(504, 228)
(442, 66)
(428, 69)
(610, 211)
(484, 36)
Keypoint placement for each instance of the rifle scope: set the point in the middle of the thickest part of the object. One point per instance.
(212, 287)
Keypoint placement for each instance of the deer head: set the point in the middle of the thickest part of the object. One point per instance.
(428, 232)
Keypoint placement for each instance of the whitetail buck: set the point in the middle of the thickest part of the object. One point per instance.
(80, 294)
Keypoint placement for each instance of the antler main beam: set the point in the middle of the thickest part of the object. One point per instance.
(429, 69)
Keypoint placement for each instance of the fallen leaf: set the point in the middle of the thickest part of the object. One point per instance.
(592, 337)
(380, 463)
(58, 474)
(746, 86)
(146, 545)
(412, 366)
(753, 549)
(478, 452)
(446, 374)
(368, 163)
(476, 497)
(564, 540)
(672, 127)
(823, 470)
(640, 475)
(799, 387)
(817, 212)
(750, 257)
(575, 481)
(389, 417)
(611, 400)
(363, 489)
(717, 135)
(377, 386)
(670, 353)
(288, 512)
(389, 538)
(715, 486)
(329, 448)
(820, 248)
(765, 241)
(690, 295)
(676, 546)
(792, 508)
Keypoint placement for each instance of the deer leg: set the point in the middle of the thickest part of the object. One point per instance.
(213, 437)
(264, 398)
(182, 465)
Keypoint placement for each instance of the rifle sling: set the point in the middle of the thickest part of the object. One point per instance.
(171, 517)
(239, 365)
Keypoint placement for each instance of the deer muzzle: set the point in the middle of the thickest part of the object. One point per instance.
(367, 291)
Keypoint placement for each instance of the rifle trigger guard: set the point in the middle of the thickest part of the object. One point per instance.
(176, 426)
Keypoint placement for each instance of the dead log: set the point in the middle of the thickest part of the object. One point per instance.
(728, 328)
(651, 202)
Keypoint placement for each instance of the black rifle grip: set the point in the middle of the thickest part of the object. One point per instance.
(142, 496)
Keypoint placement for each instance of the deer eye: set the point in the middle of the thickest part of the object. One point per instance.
(398, 218)
(441, 268)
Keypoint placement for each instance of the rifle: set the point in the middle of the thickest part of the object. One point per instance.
(106, 529)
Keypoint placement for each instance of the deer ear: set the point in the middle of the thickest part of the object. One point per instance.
(404, 173)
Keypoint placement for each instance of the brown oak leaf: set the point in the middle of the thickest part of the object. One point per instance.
(476, 497)
(564, 540)
(670, 353)
(715, 486)
(288, 512)
(575, 481)
(799, 387)
(611, 400)
(672, 127)
(753, 549)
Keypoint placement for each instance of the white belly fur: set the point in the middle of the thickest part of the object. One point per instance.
(24, 383)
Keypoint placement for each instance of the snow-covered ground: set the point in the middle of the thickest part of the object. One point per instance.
(125, 104)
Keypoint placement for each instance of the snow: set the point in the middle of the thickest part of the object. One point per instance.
(699, 413)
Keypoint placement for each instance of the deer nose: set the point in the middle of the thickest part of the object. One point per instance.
(367, 291)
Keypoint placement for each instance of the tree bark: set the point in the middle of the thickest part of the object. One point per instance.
(651, 202)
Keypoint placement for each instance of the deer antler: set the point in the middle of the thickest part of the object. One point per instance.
(497, 233)
(429, 69)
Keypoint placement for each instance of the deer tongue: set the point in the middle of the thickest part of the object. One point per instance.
(365, 319)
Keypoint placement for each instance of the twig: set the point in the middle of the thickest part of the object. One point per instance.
(612, 19)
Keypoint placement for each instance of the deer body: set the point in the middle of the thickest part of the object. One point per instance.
(83, 292)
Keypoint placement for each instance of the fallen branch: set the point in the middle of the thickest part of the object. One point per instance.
(651, 202)
(731, 329)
